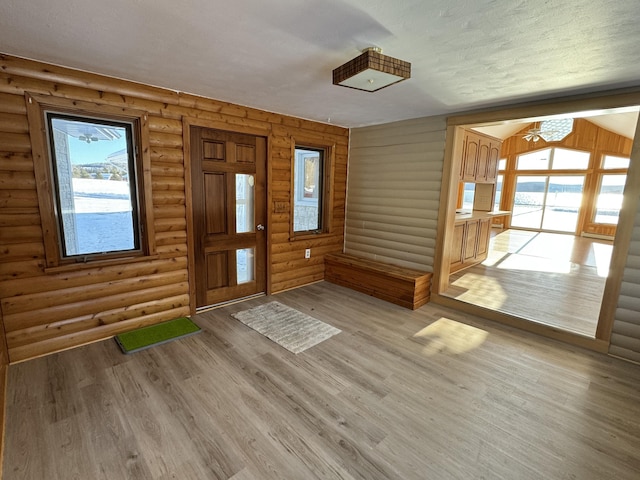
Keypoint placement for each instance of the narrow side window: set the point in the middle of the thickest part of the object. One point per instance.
(308, 186)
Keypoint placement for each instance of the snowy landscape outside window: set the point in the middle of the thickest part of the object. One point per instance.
(94, 190)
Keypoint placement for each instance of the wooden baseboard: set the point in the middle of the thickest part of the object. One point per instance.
(527, 325)
(4, 370)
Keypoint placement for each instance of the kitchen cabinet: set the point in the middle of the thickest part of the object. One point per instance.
(457, 247)
(487, 161)
(470, 241)
(470, 244)
(469, 156)
(480, 155)
(484, 235)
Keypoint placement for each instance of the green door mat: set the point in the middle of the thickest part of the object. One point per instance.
(158, 334)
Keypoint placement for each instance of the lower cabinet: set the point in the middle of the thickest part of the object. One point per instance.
(470, 243)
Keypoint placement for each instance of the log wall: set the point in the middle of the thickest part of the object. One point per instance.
(46, 311)
(4, 370)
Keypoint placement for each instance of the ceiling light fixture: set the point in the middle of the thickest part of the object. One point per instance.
(371, 71)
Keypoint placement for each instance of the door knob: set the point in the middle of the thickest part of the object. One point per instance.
(260, 227)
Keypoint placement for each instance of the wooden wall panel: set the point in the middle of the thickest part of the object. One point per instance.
(395, 173)
(52, 310)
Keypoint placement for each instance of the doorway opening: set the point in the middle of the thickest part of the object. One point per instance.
(558, 199)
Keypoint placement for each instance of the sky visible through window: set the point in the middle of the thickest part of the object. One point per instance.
(83, 152)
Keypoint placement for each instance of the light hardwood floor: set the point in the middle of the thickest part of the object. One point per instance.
(548, 278)
(399, 394)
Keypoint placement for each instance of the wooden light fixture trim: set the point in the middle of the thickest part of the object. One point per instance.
(373, 59)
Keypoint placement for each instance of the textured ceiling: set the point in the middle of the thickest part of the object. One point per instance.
(278, 55)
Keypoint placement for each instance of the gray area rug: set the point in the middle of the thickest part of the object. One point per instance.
(286, 326)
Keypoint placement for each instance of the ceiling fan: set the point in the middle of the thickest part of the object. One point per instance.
(87, 137)
(536, 133)
(549, 130)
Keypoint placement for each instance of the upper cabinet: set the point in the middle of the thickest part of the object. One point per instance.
(480, 155)
(469, 163)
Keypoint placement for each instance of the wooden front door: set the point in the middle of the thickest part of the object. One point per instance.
(228, 182)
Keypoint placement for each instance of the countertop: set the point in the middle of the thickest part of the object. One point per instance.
(477, 214)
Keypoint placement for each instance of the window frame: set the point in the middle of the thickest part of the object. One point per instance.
(38, 106)
(325, 202)
(599, 174)
(551, 163)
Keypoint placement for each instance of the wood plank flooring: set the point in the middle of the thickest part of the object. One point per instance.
(548, 278)
(399, 394)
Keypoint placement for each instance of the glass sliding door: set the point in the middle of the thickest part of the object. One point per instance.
(562, 203)
(528, 202)
(549, 202)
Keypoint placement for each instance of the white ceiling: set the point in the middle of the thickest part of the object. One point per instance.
(278, 55)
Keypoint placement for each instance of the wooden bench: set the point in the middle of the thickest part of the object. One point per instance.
(403, 286)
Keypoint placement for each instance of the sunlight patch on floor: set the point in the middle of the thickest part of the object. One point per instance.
(535, 264)
(476, 287)
(450, 337)
(602, 253)
(510, 241)
(554, 246)
(494, 257)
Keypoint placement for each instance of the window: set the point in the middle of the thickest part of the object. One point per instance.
(612, 178)
(609, 199)
(610, 162)
(91, 181)
(502, 166)
(554, 159)
(308, 178)
(469, 191)
(310, 189)
(498, 197)
(94, 186)
(564, 159)
(535, 160)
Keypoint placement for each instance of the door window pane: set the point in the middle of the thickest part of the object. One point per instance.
(245, 265)
(564, 159)
(308, 177)
(562, 203)
(609, 199)
(245, 203)
(535, 160)
(528, 202)
(94, 185)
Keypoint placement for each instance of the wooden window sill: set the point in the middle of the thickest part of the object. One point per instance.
(69, 267)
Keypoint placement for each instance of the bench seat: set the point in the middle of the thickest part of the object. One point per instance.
(403, 286)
